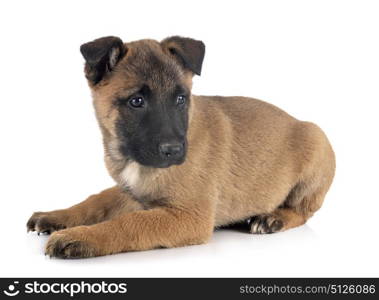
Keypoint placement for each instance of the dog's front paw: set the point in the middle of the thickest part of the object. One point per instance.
(47, 222)
(71, 243)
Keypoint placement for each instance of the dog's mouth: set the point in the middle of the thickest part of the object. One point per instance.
(159, 162)
(168, 163)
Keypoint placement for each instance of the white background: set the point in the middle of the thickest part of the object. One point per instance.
(318, 60)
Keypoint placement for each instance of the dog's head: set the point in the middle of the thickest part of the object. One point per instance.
(142, 96)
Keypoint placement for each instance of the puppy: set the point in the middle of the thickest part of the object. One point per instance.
(184, 164)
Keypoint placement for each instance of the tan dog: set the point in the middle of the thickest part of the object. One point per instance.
(185, 164)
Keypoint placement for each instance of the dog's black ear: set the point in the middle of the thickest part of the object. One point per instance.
(101, 56)
(189, 52)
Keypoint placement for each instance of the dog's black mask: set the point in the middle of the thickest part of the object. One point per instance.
(152, 126)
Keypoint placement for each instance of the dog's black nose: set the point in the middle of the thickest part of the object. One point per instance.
(171, 150)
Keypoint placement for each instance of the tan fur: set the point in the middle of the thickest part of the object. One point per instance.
(245, 158)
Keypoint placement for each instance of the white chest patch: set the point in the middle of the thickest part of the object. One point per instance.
(131, 174)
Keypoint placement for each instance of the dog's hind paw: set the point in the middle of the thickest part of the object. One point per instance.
(265, 224)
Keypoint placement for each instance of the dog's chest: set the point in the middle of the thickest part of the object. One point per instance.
(136, 179)
(131, 175)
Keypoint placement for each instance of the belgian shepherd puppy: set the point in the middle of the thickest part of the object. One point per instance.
(185, 164)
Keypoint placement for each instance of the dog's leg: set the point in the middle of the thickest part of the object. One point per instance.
(140, 230)
(293, 213)
(96, 208)
(303, 200)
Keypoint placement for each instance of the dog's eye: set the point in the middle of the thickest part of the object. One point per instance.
(180, 100)
(136, 102)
